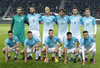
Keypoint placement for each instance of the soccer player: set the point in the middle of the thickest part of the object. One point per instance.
(33, 46)
(48, 21)
(18, 23)
(11, 45)
(69, 47)
(51, 46)
(89, 23)
(33, 19)
(75, 23)
(62, 21)
(88, 45)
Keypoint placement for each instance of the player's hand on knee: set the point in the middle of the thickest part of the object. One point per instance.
(83, 62)
(76, 51)
(88, 52)
(10, 50)
(94, 35)
(32, 48)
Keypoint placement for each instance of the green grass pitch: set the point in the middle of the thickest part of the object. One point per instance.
(31, 64)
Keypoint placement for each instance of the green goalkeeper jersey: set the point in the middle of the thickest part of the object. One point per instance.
(18, 23)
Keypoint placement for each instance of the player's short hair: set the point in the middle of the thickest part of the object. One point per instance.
(87, 9)
(19, 8)
(62, 10)
(50, 29)
(32, 7)
(29, 32)
(68, 33)
(75, 8)
(10, 31)
(85, 31)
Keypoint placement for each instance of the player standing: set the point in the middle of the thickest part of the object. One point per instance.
(62, 21)
(33, 19)
(75, 23)
(48, 21)
(18, 21)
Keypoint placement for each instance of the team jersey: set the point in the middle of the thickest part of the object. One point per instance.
(70, 44)
(51, 43)
(75, 23)
(62, 24)
(11, 43)
(18, 22)
(33, 42)
(88, 23)
(48, 22)
(33, 21)
(87, 42)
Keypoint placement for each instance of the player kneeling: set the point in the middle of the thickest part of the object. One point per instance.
(11, 45)
(33, 46)
(88, 45)
(51, 46)
(69, 47)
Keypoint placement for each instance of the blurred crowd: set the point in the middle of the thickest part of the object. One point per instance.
(54, 5)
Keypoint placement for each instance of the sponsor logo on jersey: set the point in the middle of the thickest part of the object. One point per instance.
(73, 41)
(89, 40)
(22, 17)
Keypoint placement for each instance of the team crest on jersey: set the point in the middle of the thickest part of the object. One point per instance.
(73, 41)
(50, 18)
(90, 19)
(33, 41)
(13, 40)
(54, 40)
(89, 40)
(78, 17)
(22, 17)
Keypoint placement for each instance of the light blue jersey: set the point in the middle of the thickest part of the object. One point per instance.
(63, 24)
(70, 44)
(87, 42)
(11, 43)
(51, 43)
(33, 42)
(33, 21)
(48, 22)
(88, 23)
(75, 23)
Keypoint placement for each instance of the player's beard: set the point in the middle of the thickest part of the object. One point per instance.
(32, 13)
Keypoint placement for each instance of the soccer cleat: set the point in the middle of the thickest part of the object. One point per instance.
(59, 58)
(79, 59)
(53, 58)
(67, 58)
(36, 61)
(15, 59)
(86, 59)
(71, 59)
(92, 61)
(43, 58)
(39, 57)
(56, 60)
(74, 60)
(9, 57)
(29, 58)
